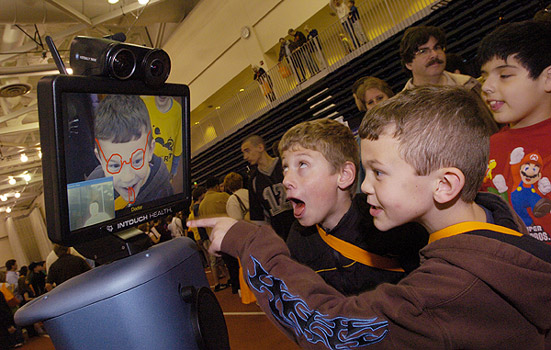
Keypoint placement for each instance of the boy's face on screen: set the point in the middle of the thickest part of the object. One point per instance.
(127, 163)
(311, 185)
(512, 95)
(396, 194)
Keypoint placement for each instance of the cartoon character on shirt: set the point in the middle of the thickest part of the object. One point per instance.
(531, 186)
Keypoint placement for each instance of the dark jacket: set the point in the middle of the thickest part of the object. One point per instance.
(356, 227)
(66, 267)
(476, 290)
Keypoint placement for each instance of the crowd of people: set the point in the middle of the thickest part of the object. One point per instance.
(427, 229)
(20, 286)
(452, 220)
(300, 54)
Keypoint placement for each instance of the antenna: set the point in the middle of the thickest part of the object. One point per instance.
(56, 56)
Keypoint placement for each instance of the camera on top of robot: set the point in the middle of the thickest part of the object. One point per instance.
(115, 59)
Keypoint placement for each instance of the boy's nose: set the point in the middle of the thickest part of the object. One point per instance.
(126, 174)
(288, 180)
(487, 86)
(366, 186)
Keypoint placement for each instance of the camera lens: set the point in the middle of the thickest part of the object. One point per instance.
(157, 68)
(122, 64)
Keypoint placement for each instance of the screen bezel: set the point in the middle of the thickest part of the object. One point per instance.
(52, 135)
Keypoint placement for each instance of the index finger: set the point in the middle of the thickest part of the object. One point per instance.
(206, 222)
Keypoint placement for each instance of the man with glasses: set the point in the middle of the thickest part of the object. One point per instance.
(422, 50)
(124, 146)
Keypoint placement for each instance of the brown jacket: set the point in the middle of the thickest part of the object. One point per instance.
(476, 290)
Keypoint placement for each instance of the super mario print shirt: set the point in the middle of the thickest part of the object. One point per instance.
(519, 171)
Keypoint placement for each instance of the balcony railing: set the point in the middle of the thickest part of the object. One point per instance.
(332, 48)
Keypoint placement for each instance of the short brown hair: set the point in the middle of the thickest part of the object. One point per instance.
(332, 139)
(121, 119)
(436, 127)
(233, 181)
(255, 140)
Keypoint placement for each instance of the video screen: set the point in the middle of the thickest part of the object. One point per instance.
(123, 154)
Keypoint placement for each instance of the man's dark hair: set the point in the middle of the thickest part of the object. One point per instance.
(543, 14)
(9, 264)
(198, 192)
(61, 250)
(417, 36)
(255, 140)
(211, 182)
(528, 42)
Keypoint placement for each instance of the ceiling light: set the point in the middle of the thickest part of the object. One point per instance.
(40, 154)
(26, 177)
(17, 194)
(24, 157)
(143, 2)
(112, 1)
(241, 90)
(70, 70)
(8, 210)
(3, 197)
(12, 181)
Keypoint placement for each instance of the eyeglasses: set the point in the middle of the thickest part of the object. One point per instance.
(115, 161)
(426, 50)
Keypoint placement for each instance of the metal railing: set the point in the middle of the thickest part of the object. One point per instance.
(332, 48)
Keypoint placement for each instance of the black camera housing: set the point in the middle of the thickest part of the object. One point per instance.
(104, 57)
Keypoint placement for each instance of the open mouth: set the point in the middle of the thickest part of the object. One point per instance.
(298, 207)
(375, 210)
(131, 193)
(495, 105)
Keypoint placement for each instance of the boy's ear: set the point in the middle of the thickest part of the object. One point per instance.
(408, 66)
(547, 78)
(97, 154)
(450, 182)
(151, 148)
(347, 175)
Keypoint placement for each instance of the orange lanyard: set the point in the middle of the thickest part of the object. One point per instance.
(356, 253)
(468, 226)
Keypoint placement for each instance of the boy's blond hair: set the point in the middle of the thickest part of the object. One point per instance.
(436, 127)
(332, 139)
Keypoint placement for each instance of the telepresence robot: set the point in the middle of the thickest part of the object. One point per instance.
(140, 297)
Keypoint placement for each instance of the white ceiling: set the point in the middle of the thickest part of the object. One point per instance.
(24, 59)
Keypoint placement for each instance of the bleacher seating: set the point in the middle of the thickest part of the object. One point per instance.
(466, 22)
